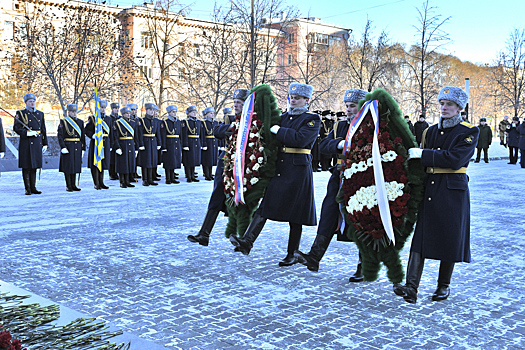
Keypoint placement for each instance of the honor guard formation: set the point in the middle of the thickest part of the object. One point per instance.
(304, 142)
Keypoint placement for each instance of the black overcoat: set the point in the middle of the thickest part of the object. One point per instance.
(193, 138)
(90, 131)
(289, 196)
(485, 136)
(211, 155)
(30, 148)
(125, 140)
(68, 137)
(419, 127)
(330, 212)
(513, 135)
(171, 145)
(2, 137)
(218, 197)
(443, 225)
(148, 136)
(521, 130)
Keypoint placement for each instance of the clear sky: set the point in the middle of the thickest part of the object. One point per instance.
(478, 28)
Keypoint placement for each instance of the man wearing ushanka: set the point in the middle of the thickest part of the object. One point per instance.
(443, 225)
(289, 196)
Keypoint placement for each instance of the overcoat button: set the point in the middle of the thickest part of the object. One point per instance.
(278, 174)
(432, 182)
(438, 148)
(442, 133)
(429, 198)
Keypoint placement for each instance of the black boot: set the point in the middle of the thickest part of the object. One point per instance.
(294, 240)
(145, 179)
(69, 188)
(127, 179)
(27, 181)
(445, 273)
(168, 176)
(193, 175)
(94, 175)
(357, 276)
(150, 177)
(311, 260)
(112, 172)
(245, 243)
(187, 172)
(73, 180)
(32, 182)
(123, 182)
(174, 177)
(414, 271)
(101, 180)
(204, 234)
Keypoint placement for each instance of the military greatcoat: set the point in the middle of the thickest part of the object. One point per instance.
(2, 137)
(30, 148)
(124, 139)
(290, 193)
(172, 150)
(193, 138)
(218, 197)
(90, 131)
(513, 138)
(211, 155)
(443, 226)
(148, 136)
(330, 213)
(75, 142)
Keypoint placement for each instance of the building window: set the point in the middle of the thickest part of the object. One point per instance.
(146, 40)
(182, 74)
(291, 38)
(145, 68)
(319, 38)
(290, 59)
(333, 40)
(9, 30)
(197, 50)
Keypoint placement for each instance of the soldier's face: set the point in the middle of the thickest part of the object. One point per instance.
(351, 108)
(126, 115)
(30, 103)
(449, 108)
(103, 110)
(210, 115)
(72, 113)
(298, 101)
(114, 111)
(150, 111)
(173, 114)
(237, 105)
(192, 114)
(134, 112)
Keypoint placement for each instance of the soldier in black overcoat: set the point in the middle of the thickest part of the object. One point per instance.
(329, 223)
(107, 129)
(133, 119)
(420, 126)
(192, 143)
(217, 201)
(484, 140)
(30, 125)
(123, 141)
(210, 151)
(72, 141)
(521, 130)
(112, 156)
(513, 139)
(289, 196)
(327, 124)
(2, 140)
(443, 224)
(149, 141)
(170, 130)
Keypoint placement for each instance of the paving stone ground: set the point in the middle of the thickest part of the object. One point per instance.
(122, 255)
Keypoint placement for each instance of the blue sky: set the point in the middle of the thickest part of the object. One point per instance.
(478, 29)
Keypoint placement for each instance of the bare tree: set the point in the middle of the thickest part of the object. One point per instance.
(509, 73)
(366, 61)
(68, 53)
(216, 67)
(156, 52)
(423, 59)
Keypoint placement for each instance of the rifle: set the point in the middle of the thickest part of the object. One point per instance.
(16, 119)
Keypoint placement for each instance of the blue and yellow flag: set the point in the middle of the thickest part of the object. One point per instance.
(99, 138)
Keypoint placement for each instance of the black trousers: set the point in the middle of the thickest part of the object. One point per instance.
(513, 155)
(485, 154)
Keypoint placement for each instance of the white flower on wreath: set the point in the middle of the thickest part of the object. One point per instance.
(248, 171)
(260, 160)
(389, 156)
(261, 149)
(251, 144)
(252, 135)
(252, 157)
(254, 180)
(366, 197)
(256, 167)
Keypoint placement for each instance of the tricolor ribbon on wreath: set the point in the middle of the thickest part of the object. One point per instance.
(242, 140)
(381, 193)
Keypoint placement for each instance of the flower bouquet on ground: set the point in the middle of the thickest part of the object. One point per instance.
(7, 342)
(380, 204)
(250, 157)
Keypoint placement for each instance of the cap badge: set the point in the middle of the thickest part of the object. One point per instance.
(293, 88)
(447, 91)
